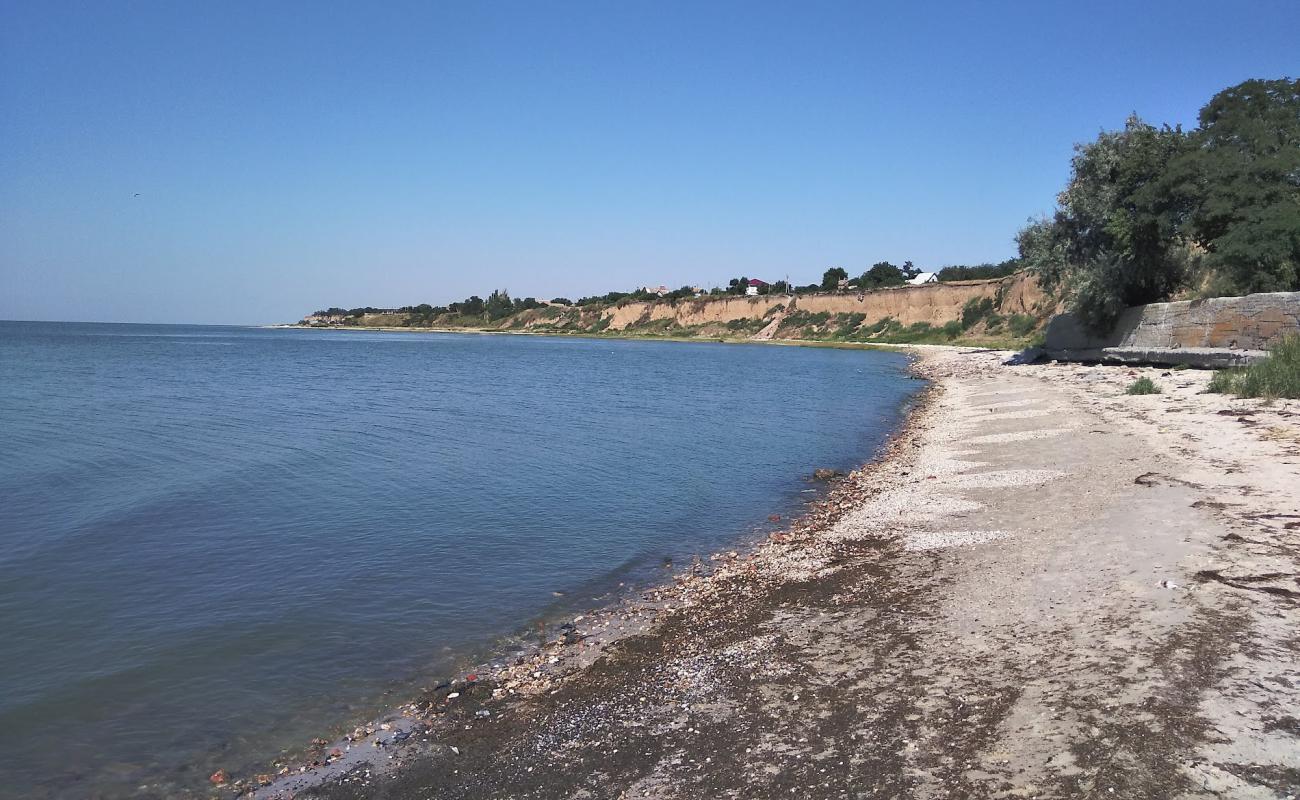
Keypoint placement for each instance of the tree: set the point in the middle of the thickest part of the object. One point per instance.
(562, 301)
(1110, 243)
(832, 277)
(882, 273)
(1237, 188)
(979, 271)
(471, 307)
(498, 304)
(737, 285)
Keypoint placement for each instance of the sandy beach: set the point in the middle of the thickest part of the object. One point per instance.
(1046, 588)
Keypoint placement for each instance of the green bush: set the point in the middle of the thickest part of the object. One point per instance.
(951, 330)
(1022, 325)
(1143, 385)
(880, 326)
(745, 325)
(1276, 376)
(976, 309)
(847, 324)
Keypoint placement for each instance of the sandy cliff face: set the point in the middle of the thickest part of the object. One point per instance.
(935, 303)
(762, 317)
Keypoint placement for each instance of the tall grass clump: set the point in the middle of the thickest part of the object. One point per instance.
(1277, 376)
(1022, 325)
(1143, 385)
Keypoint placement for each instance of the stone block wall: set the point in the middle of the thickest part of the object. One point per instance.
(1253, 322)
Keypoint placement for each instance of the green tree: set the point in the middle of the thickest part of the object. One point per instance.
(958, 272)
(1238, 187)
(1112, 242)
(471, 306)
(832, 277)
(882, 273)
(498, 304)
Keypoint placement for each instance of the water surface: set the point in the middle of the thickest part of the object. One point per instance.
(218, 542)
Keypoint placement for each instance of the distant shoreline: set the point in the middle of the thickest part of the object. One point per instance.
(829, 343)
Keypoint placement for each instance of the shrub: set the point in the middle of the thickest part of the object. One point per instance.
(951, 330)
(1278, 375)
(847, 323)
(980, 271)
(745, 325)
(976, 309)
(1143, 385)
(880, 326)
(1022, 324)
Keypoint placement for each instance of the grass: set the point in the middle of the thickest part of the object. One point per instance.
(1277, 376)
(847, 323)
(1143, 385)
(1022, 325)
(746, 325)
(976, 309)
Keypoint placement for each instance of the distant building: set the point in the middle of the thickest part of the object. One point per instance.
(924, 277)
(655, 290)
(754, 285)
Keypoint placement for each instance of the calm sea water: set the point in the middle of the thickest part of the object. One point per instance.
(218, 542)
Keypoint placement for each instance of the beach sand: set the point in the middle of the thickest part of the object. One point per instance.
(1046, 588)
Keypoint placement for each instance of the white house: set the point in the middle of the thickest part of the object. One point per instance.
(924, 277)
(754, 285)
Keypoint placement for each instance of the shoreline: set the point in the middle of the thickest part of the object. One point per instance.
(1040, 587)
(522, 669)
(979, 344)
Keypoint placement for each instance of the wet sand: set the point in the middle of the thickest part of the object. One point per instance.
(1047, 588)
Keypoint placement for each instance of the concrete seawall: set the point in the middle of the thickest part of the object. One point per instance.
(1215, 332)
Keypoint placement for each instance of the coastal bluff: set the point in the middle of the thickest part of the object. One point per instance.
(935, 303)
(986, 307)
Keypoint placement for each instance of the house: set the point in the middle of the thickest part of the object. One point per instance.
(655, 290)
(923, 278)
(754, 286)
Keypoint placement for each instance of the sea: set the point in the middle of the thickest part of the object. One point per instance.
(217, 543)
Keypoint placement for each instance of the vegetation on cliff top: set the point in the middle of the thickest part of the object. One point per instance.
(1151, 214)
(1148, 214)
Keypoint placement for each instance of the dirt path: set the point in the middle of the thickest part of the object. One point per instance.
(1051, 589)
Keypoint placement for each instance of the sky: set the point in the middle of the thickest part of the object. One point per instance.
(250, 162)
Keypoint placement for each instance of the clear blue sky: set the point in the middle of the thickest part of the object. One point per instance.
(291, 156)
